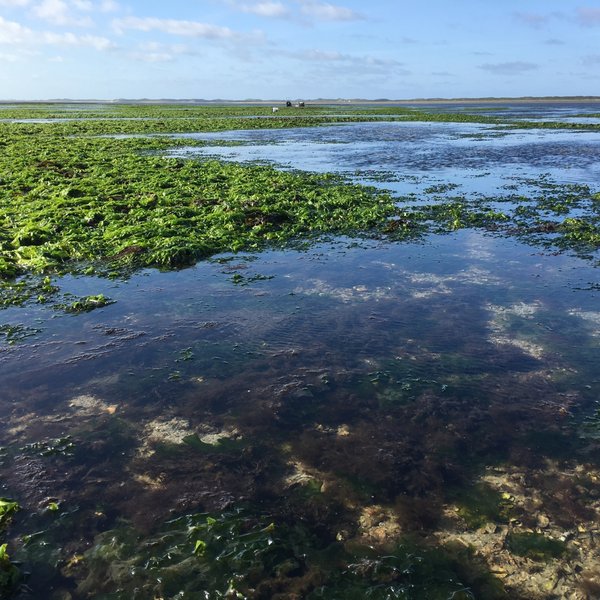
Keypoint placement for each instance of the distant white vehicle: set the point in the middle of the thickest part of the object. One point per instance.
(275, 109)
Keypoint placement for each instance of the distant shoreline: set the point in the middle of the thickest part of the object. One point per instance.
(319, 101)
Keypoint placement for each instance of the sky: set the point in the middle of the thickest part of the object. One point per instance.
(298, 49)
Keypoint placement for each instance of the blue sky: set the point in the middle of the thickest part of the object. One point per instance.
(268, 49)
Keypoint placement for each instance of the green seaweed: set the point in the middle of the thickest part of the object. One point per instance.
(240, 554)
(17, 333)
(108, 206)
(7, 510)
(535, 546)
(10, 575)
(411, 572)
(212, 555)
(481, 504)
(85, 304)
(133, 210)
(63, 446)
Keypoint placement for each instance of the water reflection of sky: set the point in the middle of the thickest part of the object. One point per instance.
(547, 111)
(412, 358)
(413, 156)
(157, 314)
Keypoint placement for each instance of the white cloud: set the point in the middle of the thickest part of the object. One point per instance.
(322, 55)
(175, 27)
(333, 56)
(14, 3)
(154, 52)
(16, 34)
(588, 16)
(330, 64)
(535, 20)
(8, 57)
(58, 12)
(266, 9)
(324, 11)
(85, 5)
(153, 57)
(13, 33)
(109, 6)
(71, 39)
(509, 68)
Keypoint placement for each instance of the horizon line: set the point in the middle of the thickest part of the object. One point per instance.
(313, 100)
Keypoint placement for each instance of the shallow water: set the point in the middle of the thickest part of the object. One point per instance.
(548, 111)
(411, 157)
(352, 393)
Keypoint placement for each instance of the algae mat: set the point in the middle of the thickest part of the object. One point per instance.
(358, 392)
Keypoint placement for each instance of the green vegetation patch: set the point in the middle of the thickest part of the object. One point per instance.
(7, 510)
(10, 575)
(16, 333)
(236, 554)
(535, 546)
(9, 572)
(77, 198)
(63, 446)
(85, 304)
(481, 504)
(97, 205)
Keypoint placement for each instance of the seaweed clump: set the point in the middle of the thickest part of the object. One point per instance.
(536, 546)
(10, 574)
(235, 554)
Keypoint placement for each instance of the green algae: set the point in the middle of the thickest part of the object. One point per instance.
(535, 546)
(482, 504)
(7, 510)
(240, 554)
(63, 446)
(100, 201)
(85, 304)
(412, 571)
(17, 333)
(106, 206)
(31, 288)
(10, 574)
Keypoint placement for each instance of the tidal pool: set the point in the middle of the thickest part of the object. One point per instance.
(346, 418)
(409, 158)
(360, 390)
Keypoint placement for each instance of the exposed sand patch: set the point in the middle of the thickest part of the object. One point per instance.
(379, 526)
(501, 327)
(566, 577)
(212, 435)
(176, 430)
(161, 431)
(89, 406)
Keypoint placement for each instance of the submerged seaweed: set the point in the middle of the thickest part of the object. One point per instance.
(238, 554)
(398, 424)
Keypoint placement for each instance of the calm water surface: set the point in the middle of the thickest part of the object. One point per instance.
(412, 157)
(357, 391)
